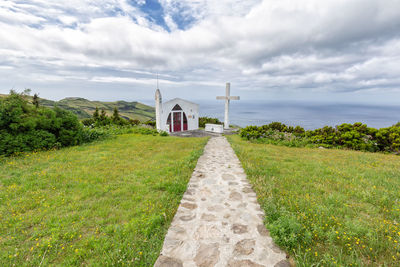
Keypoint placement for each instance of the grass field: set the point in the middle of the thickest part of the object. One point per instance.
(327, 207)
(102, 204)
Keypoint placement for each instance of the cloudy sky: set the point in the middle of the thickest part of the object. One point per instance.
(331, 50)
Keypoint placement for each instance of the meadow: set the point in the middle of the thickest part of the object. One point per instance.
(327, 207)
(100, 204)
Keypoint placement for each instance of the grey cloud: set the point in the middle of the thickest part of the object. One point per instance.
(332, 46)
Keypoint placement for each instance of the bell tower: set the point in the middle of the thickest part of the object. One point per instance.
(158, 106)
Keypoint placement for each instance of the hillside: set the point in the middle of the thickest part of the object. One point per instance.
(84, 108)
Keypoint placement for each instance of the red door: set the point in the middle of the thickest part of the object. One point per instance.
(177, 121)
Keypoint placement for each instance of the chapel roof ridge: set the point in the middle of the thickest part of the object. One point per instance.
(176, 98)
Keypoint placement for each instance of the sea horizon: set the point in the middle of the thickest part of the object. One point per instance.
(309, 115)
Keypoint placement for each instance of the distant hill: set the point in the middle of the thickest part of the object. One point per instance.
(84, 108)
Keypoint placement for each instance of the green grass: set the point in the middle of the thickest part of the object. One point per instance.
(327, 207)
(106, 203)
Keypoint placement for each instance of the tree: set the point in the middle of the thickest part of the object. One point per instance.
(103, 119)
(103, 115)
(26, 92)
(96, 114)
(115, 117)
(35, 100)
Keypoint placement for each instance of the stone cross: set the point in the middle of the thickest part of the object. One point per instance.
(227, 99)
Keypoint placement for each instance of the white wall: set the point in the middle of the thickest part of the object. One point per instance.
(189, 108)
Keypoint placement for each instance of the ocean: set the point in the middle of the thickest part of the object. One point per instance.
(308, 115)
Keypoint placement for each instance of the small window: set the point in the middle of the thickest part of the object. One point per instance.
(177, 107)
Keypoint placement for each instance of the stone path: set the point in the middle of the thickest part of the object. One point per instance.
(219, 221)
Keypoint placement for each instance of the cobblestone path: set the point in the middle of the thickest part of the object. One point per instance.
(219, 221)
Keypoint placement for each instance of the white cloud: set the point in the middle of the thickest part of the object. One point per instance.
(114, 79)
(254, 44)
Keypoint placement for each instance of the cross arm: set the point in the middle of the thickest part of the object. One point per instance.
(221, 97)
(234, 98)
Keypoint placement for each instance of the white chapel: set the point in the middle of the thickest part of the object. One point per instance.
(176, 115)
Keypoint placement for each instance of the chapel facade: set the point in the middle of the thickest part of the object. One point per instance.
(176, 115)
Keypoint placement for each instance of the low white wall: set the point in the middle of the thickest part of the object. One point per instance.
(215, 128)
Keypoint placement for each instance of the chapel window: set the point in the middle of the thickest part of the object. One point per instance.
(177, 107)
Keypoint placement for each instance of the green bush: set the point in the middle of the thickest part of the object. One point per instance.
(326, 136)
(134, 122)
(68, 129)
(150, 123)
(204, 120)
(388, 139)
(90, 134)
(88, 122)
(278, 127)
(299, 131)
(164, 133)
(24, 127)
(355, 136)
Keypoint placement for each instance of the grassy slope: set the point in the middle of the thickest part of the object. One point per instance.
(132, 110)
(84, 108)
(327, 207)
(107, 203)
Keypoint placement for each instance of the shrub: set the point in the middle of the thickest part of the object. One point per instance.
(278, 127)
(252, 132)
(91, 134)
(164, 133)
(150, 123)
(25, 127)
(388, 139)
(88, 122)
(204, 120)
(134, 122)
(299, 131)
(68, 130)
(326, 135)
(355, 136)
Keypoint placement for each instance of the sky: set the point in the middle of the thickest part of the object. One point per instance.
(303, 50)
